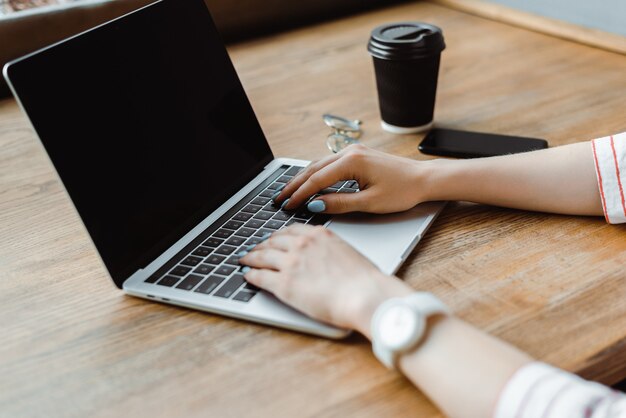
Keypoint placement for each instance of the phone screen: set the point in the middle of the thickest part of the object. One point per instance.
(462, 144)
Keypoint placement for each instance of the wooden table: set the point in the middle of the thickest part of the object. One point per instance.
(74, 345)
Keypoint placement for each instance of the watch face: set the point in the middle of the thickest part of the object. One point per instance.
(398, 327)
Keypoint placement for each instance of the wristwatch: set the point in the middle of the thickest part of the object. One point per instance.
(399, 324)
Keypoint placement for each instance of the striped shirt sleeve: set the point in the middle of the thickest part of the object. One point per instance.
(541, 391)
(609, 155)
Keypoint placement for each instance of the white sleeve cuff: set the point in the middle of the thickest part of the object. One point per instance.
(609, 155)
(539, 390)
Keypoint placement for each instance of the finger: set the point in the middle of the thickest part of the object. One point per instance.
(276, 240)
(265, 279)
(295, 229)
(303, 175)
(336, 203)
(269, 258)
(325, 177)
(282, 242)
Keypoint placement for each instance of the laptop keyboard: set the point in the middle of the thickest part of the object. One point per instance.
(212, 267)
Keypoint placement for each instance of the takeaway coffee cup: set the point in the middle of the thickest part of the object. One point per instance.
(406, 62)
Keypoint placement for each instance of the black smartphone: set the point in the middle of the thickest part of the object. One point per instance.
(463, 144)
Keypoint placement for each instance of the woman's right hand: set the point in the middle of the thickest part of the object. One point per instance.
(387, 183)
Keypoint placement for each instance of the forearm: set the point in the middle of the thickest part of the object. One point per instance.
(460, 368)
(557, 180)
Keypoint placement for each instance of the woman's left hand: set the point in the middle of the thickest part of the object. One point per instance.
(316, 272)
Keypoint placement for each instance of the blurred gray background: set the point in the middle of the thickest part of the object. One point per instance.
(606, 15)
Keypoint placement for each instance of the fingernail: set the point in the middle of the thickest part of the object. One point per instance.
(245, 270)
(275, 195)
(284, 204)
(281, 187)
(265, 236)
(250, 247)
(316, 206)
(241, 253)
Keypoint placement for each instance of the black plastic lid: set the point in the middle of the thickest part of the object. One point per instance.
(405, 40)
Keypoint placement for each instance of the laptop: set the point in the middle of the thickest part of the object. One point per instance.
(153, 137)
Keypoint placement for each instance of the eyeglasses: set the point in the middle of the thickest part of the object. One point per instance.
(345, 132)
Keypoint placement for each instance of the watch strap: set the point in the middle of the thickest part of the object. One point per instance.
(427, 303)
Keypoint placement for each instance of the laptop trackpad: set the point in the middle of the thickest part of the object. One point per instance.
(386, 239)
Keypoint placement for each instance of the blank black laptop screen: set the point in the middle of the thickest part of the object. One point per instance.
(147, 124)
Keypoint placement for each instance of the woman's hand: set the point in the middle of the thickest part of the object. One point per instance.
(316, 272)
(387, 183)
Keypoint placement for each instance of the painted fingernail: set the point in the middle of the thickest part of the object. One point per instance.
(275, 195)
(241, 253)
(281, 187)
(245, 270)
(264, 237)
(316, 206)
(285, 203)
(250, 247)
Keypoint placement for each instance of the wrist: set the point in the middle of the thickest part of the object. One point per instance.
(445, 180)
(384, 288)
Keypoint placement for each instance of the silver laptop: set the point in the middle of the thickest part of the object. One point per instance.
(151, 132)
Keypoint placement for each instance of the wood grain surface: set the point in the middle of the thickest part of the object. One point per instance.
(75, 346)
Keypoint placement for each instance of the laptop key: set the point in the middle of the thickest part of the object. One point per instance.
(152, 279)
(234, 225)
(244, 296)
(293, 221)
(223, 233)
(348, 191)
(180, 270)
(233, 260)
(235, 240)
(328, 190)
(230, 286)
(319, 220)
(263, 215)
(271, 207)
(215, 259)
(293, 171)
(190, 282)
(253, 241)
(210, 284)
(254, 223)
(273, 224)
(242, 216)
(251, 208)
(352, 185)
(225, 249)
(338, 185)
(225, 270)
(202, 251)
(260, 200)
(302, 214)
(263, 231)
(213, 242)
(191, 261)
(245, 232)
(168, 281)
(267, 193)
(250, 286)
(204, 269)
(282, 216)
(283, 179)
(274, 186)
